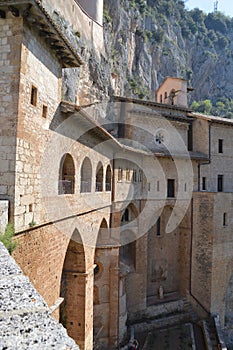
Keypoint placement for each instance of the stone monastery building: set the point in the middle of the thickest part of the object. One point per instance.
(123, 210)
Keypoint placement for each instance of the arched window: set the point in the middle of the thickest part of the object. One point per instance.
(99, 177)
(86, 175)
(66, 175)
(161, 98)
(108, 181)
(165, 97)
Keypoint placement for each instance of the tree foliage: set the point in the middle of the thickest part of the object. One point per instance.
(7, 238)
(222, 108)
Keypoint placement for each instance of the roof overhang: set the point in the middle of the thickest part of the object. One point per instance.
(37, 17)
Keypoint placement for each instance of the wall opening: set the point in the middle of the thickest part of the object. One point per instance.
(66, 175)
(220, 183)
(170, 188)
(72, 312)
(86, 176)
(108, 180)
(33, 95)
(99, 178)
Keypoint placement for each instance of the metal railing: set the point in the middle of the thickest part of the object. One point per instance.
(99, 186)
(85, 186)
(65, 187)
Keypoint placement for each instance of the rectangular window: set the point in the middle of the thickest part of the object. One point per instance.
(203, 184)
(158, 232)
(190, 138)
(220, 183)
(140, 175)
(220, 146)
(224, 219)
(120, 174)
(127, 174)
(44, 111)
(134, 175)
(171, 188)
(33, 95)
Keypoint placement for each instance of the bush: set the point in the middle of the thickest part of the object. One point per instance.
(7, 238)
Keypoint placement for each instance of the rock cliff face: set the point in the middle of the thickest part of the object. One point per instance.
(147, 40)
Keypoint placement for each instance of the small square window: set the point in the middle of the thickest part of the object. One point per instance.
(33, 95)
(44, 111)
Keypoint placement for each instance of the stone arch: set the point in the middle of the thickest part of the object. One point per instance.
(86, 175)
(164, 256)
(72, 310)
(128, 235)
(108, 179)
(129, 214)
(103, 234)
(66, 175)
(99, 177)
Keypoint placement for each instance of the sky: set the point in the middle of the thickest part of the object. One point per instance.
(225, 6)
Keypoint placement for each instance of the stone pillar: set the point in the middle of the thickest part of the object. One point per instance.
(78, 308)
(114, 306)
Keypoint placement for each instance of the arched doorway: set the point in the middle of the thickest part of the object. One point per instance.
(86, 175)
(66, 175)
(73, 290)
(99, 177)
(163, 260)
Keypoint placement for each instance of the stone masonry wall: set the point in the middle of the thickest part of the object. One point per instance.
(10, 51)
(202, 248)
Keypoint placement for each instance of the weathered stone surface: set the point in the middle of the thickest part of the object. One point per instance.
(25, 322)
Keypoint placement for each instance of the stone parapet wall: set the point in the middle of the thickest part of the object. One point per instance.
(25, 322)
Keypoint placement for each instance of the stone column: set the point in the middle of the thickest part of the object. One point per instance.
(114, 305)
(78, 306)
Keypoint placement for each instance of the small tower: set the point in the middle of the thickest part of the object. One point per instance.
(173, 91)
